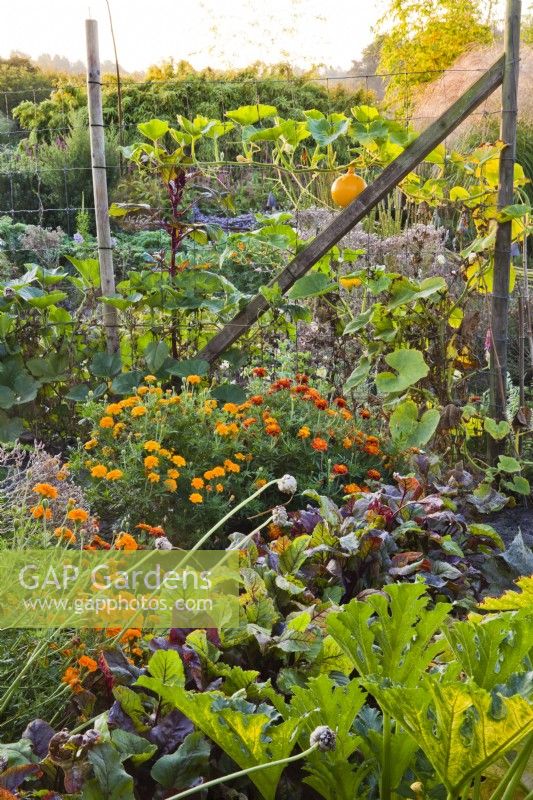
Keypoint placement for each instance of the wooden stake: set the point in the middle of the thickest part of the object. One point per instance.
(101, 204)
(370, 197)
(502, 252)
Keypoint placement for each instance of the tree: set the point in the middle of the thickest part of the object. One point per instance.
(21, 80)
(421, 38)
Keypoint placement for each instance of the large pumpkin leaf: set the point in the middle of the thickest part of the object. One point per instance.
(460, 728)
(410, 367)
(491, 650)
(322, 702)
(390, 636)
(249, 115)
(409, 431)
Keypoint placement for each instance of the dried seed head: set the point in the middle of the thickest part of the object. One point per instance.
(287, 484)
(324, 737)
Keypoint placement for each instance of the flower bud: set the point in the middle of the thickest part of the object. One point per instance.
(324, 737)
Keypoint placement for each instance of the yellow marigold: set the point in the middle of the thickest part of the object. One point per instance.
(138, 411)
(40, 511)
(45, 490)
(88, 662)
(107, 451)
(218, 472)
(179, 461)
(151, 461)
(142, 390)
(260, 482)
(99, 471)
(193, 379)
(78, 515)
(119, 427)
(195, 497)
(230, 408)
(113, 409)
(165, 453)
(347, 442)
(221, 429)
(128, 402)
(150, 379)
(114, 475)
(90, 444)
(304, 432)
(219, 487)
(153, 477)
(173, 473)
(197, 483)
(65, 533)
(240, 457)
(107, 422)
(125, 541)
(152, 446)
(62, 474)
(171, 484)
(231, 466)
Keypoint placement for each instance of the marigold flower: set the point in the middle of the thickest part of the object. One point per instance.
(195, 497)
(153, 477)
(65, 533)
(230, 408)
(304, 432)
(371, 449)
(319, 444)
(62, 474)
(350, 283)
(150, 378)
(114, 475)
(113, 409)
(45, 490)
(127, 402)
(99, 471)
(173, 473)
(125, 541)
(131, 635)
(107, 422)
(374, 474)
(151, 461)
(301, 377)
(138, 411)
(40, 511)
(90, 444)
(170, 484)
(240, 457)
(347, 442)
(259, 372)
(119, 427)
(347, 415)
(364, 413)
(274, 532)
(164, 453)
(152, 446)
(153, 530)
(249, 421)
(99, 544)
(88, 662)
(273, 429)
(71, 676)
(260, 482)
(351, 488)
(340, 402)
(256, 399)
(340, 469)
(78, 515)
(231, 466)
(321, 404)
(197, 483)
(179, 461)
(219, 487)
(193, 379)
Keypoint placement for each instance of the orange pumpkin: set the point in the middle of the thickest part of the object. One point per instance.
(347, 187)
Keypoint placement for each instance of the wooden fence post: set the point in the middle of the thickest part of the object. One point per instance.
(98, 163)
(502, 253)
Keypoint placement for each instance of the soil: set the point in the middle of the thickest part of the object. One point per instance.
(509, 521)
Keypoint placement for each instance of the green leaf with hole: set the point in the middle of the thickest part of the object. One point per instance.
(410, 367)
(498, 430)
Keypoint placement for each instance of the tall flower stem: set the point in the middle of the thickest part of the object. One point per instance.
(242, 772)
(385, 768)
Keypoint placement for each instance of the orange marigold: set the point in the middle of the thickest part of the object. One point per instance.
(40, 511)
(193, 379)
(179, 461)
(170, 484)
(304, 432)
(152, 446)
(138, 411)
(151, 461)
(114, 475)
(45, 490)
(273, 429)
(197, 483)
(107, 422)
(65, 533)
(90, 444)
(259, 372)
(340, 469)
(319, 444)
(351, 488)
(374, 474)
(99, 471)
(125, 541)
(196, 498)
(153, 477)
(219, 487)
(256, 399)
(78, 515)
(173, 473)
(364, 413)
(321, 404)
(71, 676)
(88, 662)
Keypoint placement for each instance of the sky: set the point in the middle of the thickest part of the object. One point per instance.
(217, 33)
